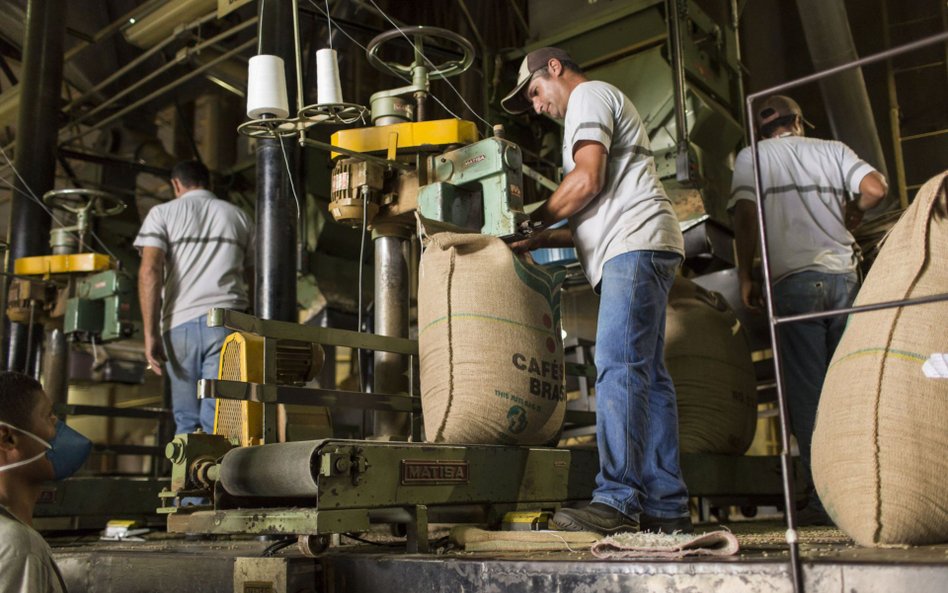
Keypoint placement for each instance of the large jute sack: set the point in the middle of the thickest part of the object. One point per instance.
(491, 351)
(880, 446)
(708, 357)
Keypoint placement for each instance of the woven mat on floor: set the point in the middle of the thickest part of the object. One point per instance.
(659, 545)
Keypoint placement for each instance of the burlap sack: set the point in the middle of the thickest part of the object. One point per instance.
(708, 357)
(880, 446)
(491, 351)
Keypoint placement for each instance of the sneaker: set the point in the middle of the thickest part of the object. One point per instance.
(666, 525)
(597, 517)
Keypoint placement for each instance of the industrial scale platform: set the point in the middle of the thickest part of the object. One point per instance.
(172, 564)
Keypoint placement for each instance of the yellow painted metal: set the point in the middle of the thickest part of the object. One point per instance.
(241, 360)
(408, 136)
(47, 265)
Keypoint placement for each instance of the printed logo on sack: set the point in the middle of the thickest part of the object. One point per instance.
(516, 419)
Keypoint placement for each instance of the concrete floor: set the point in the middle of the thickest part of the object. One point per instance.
(172, 565)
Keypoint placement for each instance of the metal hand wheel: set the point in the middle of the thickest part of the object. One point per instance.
(418, 35)
(85, 201)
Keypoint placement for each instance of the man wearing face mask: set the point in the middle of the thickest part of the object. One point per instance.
(35, 447)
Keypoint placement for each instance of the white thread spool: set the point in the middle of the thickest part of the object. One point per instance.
(266, 88)
(328, 87)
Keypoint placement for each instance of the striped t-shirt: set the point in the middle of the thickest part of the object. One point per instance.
(207, 243)
(804, 182)
(632, 212)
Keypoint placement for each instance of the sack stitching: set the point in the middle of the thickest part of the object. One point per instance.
(876, 537)
(439, 435)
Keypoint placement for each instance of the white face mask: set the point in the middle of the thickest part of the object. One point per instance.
(31, 459)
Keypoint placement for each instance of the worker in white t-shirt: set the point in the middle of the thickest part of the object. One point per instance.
(629, 243)
(813, 255)
(196, 253)
(35, 447)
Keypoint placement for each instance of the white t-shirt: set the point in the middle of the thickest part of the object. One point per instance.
(26, 562)
(632, 212)
(207, 243)
(804, 181)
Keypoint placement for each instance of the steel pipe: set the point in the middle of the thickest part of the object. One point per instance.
(391, 319)
(56, 366)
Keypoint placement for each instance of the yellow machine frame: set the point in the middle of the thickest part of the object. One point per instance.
(406, 136)
(47, 265)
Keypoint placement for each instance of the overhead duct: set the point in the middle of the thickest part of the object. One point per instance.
(161, 22)
(830, 41)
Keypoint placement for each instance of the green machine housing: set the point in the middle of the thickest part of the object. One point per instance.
(478, 187)
(104, 308)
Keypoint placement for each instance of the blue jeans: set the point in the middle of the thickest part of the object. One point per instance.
(636, 409)
(806, 347)
(193, 351)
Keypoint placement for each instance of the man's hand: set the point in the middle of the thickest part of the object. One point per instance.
(750, 294)
(155, 354)
(559, 237)
(853, 215)
(534, 241)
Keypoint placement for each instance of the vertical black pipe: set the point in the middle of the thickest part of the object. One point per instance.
(276, 207)
(676, 12)
(35, 160)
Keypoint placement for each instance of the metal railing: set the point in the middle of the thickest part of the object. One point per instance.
(796, 568)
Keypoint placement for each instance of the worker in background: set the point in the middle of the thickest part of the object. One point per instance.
(35, 447)
(195, 251)
(627, 237)
(813, 255)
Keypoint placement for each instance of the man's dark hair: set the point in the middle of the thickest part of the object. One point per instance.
(570, 65)
(18, 398)
(191, 174)
(767, 130)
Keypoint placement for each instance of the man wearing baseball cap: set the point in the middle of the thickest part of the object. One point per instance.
(813, 255)
(628, 240)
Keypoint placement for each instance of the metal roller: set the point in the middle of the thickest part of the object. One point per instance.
(279, 470)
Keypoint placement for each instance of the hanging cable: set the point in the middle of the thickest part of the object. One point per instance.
(328, 24)
(365, 225)
(289, 175)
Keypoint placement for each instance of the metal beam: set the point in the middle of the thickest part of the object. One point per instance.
(238, 321)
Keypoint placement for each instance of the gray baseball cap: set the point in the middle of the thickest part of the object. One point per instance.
(776, 106)
(516, 101)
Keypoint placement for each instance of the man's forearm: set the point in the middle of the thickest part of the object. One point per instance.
(149, 297)
(745, 235)
(573, 194)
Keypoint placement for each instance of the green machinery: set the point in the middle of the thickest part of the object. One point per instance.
(83, 290)
(104, 308)
(317, 488)
(259, 483)
(476, 187)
